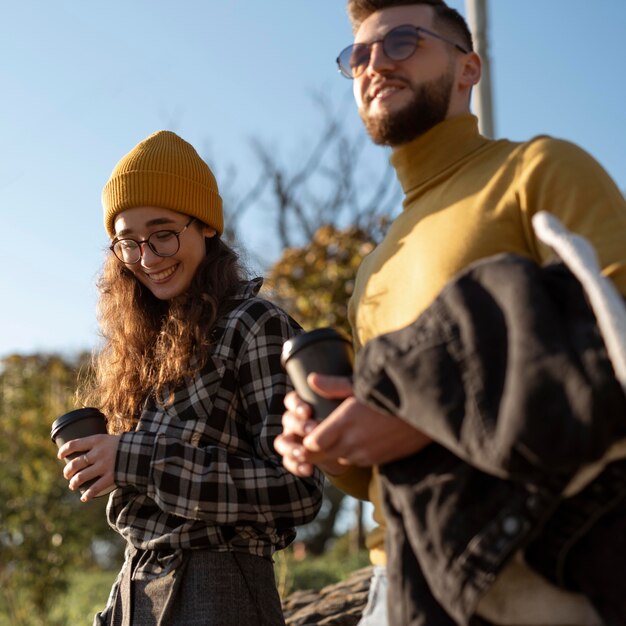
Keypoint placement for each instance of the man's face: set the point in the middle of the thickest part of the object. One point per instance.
(400, 100)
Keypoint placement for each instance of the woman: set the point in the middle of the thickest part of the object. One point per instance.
(190, 379)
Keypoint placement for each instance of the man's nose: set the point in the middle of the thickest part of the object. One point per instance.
(379, 61)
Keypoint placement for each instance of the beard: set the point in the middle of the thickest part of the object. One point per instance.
(427, 108)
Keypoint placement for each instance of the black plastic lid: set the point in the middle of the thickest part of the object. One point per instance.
(291, 346)
(72, 416)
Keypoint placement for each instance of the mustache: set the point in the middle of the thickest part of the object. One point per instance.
(374, 87)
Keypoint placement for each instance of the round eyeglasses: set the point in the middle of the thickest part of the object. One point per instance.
(161, 242)
(399, 44)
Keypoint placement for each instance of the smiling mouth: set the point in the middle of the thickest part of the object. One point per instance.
(386, 89)
(159, 277)
(384, 92)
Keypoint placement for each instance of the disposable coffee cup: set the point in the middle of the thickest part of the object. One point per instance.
(323, 350)
(76, 425)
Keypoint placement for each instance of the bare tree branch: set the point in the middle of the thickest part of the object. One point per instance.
(326, 186)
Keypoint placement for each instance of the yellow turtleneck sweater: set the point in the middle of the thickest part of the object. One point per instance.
(466, 198)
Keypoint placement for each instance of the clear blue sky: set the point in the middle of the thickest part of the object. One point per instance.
(83, 82)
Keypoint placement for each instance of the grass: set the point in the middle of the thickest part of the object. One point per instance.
(87, 594)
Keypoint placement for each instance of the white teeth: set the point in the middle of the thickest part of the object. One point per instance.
(163, 275)
(386, 91)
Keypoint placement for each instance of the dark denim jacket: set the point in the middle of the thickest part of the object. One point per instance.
(508, 374)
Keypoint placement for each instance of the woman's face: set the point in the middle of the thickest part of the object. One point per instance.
(170, 276)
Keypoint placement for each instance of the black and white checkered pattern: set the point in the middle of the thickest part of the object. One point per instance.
(202, 471)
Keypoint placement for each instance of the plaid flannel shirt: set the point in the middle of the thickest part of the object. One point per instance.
(201, 472)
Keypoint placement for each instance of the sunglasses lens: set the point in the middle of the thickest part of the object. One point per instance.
(400, 43)
(354, 59)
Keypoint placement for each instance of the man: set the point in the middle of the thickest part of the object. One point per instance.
(467, 198)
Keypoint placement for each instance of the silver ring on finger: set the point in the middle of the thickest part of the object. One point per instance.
(86, 459)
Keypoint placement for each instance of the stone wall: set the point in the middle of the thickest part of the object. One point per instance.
(340, 604)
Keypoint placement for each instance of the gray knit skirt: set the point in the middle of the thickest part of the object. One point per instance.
(207, 589)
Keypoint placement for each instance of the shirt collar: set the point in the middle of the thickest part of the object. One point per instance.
(248, 289)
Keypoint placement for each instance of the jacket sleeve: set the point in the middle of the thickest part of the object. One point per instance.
(234, 481)
(506, 369)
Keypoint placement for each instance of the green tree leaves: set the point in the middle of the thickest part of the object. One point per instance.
(45, 531)
(314, 282)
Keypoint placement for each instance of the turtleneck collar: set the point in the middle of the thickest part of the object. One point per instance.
(432, 153)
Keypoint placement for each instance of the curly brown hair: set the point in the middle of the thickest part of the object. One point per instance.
(151, 346)
(447, 18)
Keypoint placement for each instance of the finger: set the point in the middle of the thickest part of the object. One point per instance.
(69, 448)
(335, 387)
(84, 444)
(73, 467)
(284, 444)
(76, 464)
(334, 436)
(324, 437)
(291, 399)
(85, 474)
(295, 404)
(93, 490)
(295, 457)
(297, 467)
(295, 425)
(104, 484)
(290, 447)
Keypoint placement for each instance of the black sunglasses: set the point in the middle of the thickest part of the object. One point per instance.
(398, 44)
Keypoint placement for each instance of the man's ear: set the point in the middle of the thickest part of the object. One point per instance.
(470, 70)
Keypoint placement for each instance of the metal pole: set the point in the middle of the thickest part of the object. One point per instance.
(478, 23)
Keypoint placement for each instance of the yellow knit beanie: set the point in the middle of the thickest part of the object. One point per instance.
(163, 171)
